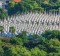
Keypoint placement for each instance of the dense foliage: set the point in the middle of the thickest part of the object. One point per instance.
(48, 44)
(33, 5)
(3, 14)
(30, 5)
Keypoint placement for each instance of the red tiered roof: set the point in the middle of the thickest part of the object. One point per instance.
(17, 0)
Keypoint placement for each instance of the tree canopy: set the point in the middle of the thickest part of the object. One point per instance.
(35, 5)
(14, 8)
(35, 46)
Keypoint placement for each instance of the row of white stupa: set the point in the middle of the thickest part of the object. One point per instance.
(32, 22)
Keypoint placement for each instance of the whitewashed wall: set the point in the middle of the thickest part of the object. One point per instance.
(32, 22)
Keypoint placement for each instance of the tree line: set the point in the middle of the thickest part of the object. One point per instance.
(29, 5)
(46, 44)
(35, 5)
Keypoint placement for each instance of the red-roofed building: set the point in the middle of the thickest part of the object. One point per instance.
(17, 0)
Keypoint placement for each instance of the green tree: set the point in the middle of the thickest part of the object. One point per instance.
(53, 46)
(37, 52)
(17, 51)
(3, 14)
(23, 36)
(51, 34)
(16, 41)
(1, 30)
(12, 30)
(1, 49)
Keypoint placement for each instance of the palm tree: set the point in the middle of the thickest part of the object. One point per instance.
(12, 30)
(1, 29)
